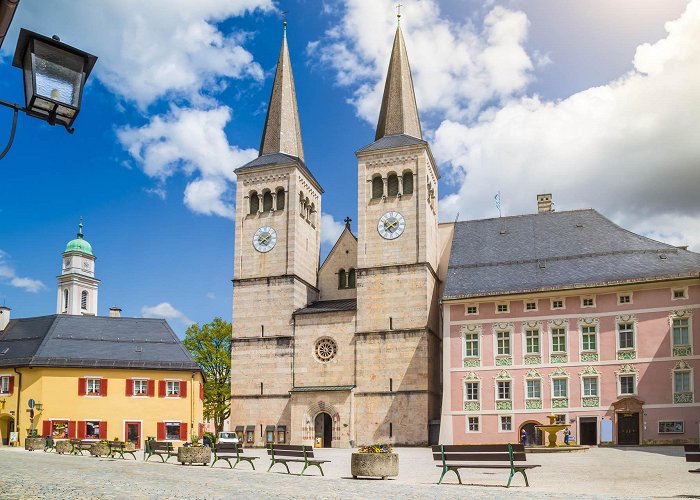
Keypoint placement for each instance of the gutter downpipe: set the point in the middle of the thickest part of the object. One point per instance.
(19, 393)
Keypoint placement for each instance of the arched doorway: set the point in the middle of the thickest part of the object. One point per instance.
(7, 425)
(534, 435)
(323, 429)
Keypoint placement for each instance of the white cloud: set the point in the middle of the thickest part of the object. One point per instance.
(148, 50)
(9, 275)
(194, 142)
(166, 311)
(330, 229)
(628, 148)
(457, 68)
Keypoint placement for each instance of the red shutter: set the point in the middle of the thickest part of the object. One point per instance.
(151, 388)
(71, 429)
(201, 392)
(103, 387)
(103, 430)
(82, 429)
(161, 388)
(129, 387)
(46, 430)
(161, 431)
(12, 384)
(183, 388)
(201, 430)
(82, 387)
(183, 431)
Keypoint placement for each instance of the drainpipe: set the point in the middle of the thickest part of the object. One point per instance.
(192, 407)
(19, 393)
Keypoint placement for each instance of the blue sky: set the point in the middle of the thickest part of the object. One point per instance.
(594, 101)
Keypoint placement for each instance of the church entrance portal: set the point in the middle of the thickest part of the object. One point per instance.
(323, 426)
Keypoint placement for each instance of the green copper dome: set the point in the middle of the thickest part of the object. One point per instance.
(79, 244)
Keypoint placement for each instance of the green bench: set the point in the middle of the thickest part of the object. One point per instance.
(472, 456)
(285, 453)
(159, 448)
(79, 446)
(229, 451)
(692, 454)
(119, 448)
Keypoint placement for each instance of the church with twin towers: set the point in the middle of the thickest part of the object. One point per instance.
(346, 353)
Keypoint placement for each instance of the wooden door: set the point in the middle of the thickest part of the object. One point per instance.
(628, 428)
(132, 432)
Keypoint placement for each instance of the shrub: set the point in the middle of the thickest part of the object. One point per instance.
(376, 448)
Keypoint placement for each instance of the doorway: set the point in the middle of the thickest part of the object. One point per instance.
(588, 431)
(132, 433)
(7, 425)
(323, 426)
(534, 435)
(628, 428)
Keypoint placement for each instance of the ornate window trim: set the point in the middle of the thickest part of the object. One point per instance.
(325, 350)
(471, 361)
(554, 301)
(589, 355)
(626, 353)
(682, 397)
(627, 370)
(681, 350)
(533, 358)
(507, 327)
(590, 401)
(471, 404)
(507, 307)
(558, 356)
(683, 289)
(503, 404)
(531, 301)
(468, 306)
(588, 297)
(532, 403)
(559, 401)
(625, 294)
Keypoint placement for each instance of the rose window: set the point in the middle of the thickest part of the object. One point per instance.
(326, 349)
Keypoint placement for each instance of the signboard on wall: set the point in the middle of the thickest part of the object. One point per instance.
(606, 431)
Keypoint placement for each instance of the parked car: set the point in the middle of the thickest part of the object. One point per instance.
(228, 437)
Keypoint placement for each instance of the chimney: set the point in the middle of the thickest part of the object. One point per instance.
(544, 203)
(4, 317)
(115, 312)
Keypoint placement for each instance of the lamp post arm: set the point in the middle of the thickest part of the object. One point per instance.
(17, 108)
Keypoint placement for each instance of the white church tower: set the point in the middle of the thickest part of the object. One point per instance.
(77, 285)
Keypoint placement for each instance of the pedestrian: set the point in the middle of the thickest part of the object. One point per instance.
(523, 437)
(567, 436)
(206, 441)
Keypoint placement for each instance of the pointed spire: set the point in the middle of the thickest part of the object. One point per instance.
(399, 113)
(282, 133)
(80, 228)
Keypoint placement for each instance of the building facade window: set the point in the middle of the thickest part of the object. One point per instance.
(172, 430)
(84, 300)
(559, 340)
(140, 387)
(5, 385)
(587, 301)
(624, 298)
(589, 341)
(557, 303)
(671, 427)
(503, 389)
(502, 308)
(506, 423)
(253, 203)
(471, 310)
(625, 335)
(471, 345)
(627, 384)
(172, 388)
(342, 279)
(590, 386)
(559, 388)
(471, 391)
(92, 430)
(93, 386)
(472, 424)
(531, 305)
(351, 278)
(681, 381)
(65, 299)
(267, 201)
(280, 199)
(681, 331)
(532, 341)
(679, 293)
(392, 185)
(377, 187)
(534, 389)
(503, 343)
(408, 182)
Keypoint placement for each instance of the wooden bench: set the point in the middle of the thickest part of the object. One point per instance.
(119, 448)
(229, 451)
(49, 444)
(160, 448)
(285, 453)
(500, 456)
(79, 446)
(692, 454)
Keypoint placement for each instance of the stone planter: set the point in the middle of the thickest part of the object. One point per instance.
(374, 465)
(194, 454)
(99, 450)
(63, 447)
(34, 443)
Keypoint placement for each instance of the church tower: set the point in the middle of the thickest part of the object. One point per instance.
(276, 255)
(397, 256)
(77, 285)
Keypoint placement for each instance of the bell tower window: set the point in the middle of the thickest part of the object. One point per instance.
(392, 185)
(377, 187)
(351, 278)
(84, 300)
(342, 279)
(280, 199)
(267, 201)
(65, 299)
(408, 182)
(254, 202)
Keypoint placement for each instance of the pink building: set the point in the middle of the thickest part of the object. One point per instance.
(568, 314)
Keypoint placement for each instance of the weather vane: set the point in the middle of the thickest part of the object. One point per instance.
(284, 17)
(398, 13)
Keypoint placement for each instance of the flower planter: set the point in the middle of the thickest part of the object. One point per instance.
(34, 443)
(63, 447)
(194, 454)
(99, 450)
(374, 465)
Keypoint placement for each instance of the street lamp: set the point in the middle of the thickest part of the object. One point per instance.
(54, 77)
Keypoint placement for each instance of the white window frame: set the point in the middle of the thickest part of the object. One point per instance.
(507, 307)
(509, 381)
(478, 344)
(634, 334)
(478, 424)
(583, 386)
(168, 393)
(619, 384)
(527, 391)
(4, 384)
(659, 422)
(512, 423)
(588, 297)
(683, 289)
(97, 421)
(689, 371)
(510, 343)
(530, 301)
(690, 331)
(557, 299)
(466, 309)
(478, 391)
(93, 380)
(597, 337)
(551, 339)
(566, 387)
(539, 341)
(133, 387)
(623, 294)
(172, 422)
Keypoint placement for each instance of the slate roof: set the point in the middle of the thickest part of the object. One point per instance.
(392, 141)
(93, 341)
(558, 250)
(324, 306)
(278, 159)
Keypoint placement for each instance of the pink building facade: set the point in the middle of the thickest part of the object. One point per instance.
(616, 361)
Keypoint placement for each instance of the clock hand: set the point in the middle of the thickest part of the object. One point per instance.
(263, 240)
(389, 226)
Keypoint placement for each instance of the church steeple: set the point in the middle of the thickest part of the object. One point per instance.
(399, 113)
(282, 133)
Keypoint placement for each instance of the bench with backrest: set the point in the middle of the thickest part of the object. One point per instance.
(79, 446)
(692, 454)
(160, 448)
(481, 456)
(229, 451)
(285, 453)
(119, 448)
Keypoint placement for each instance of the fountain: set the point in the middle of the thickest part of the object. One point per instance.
(552, 430)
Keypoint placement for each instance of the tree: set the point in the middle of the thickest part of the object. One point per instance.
(210, 346)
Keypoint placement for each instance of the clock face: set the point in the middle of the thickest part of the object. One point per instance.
(86, 265)
(391, 225)
(264, 239)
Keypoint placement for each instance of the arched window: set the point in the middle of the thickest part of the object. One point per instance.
(377, 187)
(280, 199)
(83, 300)
(392, 185)
(408, 182)
(254, 202)
(312, 213)
(342, 281)
(65, 299)
(351, 278)
(267, 201)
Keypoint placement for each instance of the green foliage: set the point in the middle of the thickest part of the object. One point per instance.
(212, 437)
(210, 346)
(376, 448)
